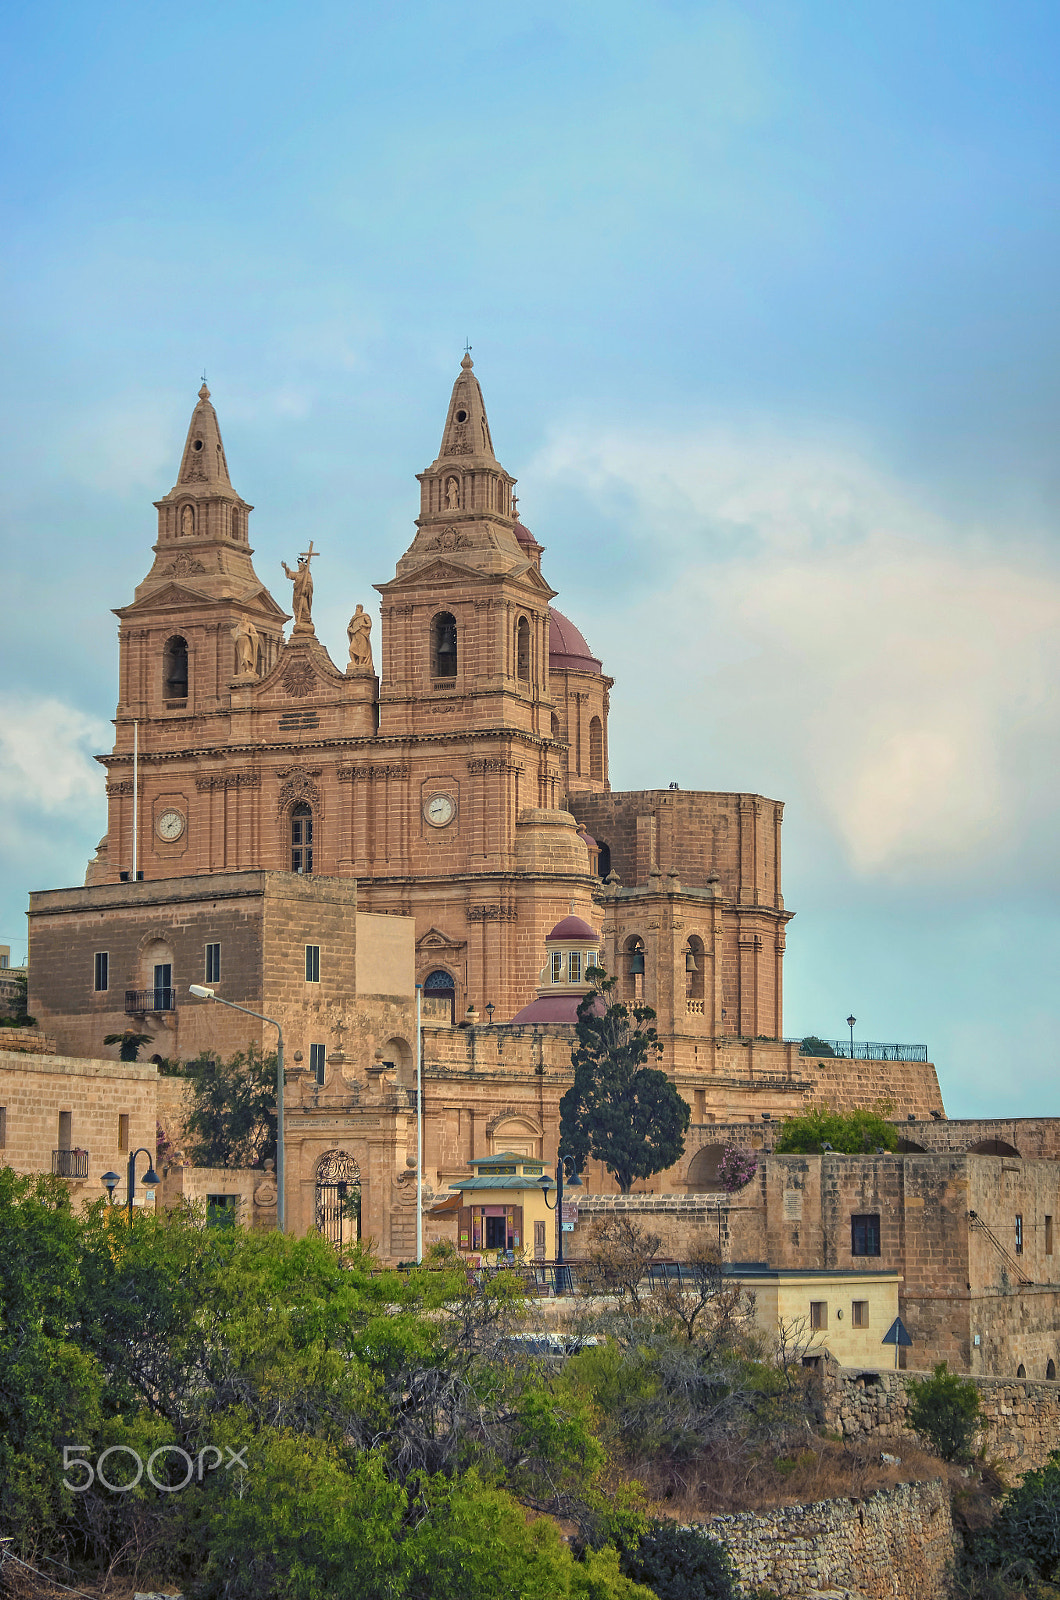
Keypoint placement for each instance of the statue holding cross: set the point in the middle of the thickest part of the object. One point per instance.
(302, 599)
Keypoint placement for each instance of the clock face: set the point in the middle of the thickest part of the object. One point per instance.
(440, 810)
(170, 826)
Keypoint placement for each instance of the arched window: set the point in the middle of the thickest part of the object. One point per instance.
(596, 749)
(1050, 1371)
(301, 838)
(631, 969)
(1021, 1371)
(695, 963)
(443, 645)
(439, 985)
(555, 728)
(522, 650)
(175, 669)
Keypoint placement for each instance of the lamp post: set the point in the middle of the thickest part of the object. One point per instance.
(850, 1024)
(150, 1177)
(202, 993)
(110, 1182)
(419, 1123)
(573, 1182)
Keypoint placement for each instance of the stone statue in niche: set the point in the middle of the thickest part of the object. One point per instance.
(187, 522)
(302, 599)
(245, 638)
(452, 494)
(358, 631)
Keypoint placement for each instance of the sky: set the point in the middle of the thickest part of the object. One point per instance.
(763, 301)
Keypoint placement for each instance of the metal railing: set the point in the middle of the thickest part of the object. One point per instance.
(139, 1001)
(864, 1050)
(70, 1163)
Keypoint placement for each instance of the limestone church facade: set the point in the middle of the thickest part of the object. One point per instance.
(455, 770)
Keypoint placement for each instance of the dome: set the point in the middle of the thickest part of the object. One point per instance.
(567, 649)
(554, 1008)
(573, 928)
(524, 536)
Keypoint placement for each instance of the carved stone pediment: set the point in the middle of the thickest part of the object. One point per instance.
(435, 941)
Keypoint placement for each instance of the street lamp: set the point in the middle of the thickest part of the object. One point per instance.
(150, 1177)
(110, 1182)
(573, 1182)
(850, 1024)
(202, 993)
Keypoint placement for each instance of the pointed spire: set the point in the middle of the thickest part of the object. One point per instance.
(467, 429)
(203, 460)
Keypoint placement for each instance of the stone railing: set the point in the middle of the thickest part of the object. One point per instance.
(694, 1008)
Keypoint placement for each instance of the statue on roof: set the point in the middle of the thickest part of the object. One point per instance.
(358, 631)
(302, 598)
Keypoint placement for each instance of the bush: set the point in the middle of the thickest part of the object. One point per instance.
(855, 1134)
(1026, 1530)
(945, 1409)
(682, 1564)
(737, 1168)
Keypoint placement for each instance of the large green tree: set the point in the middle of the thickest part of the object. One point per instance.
(232, 1122)
(619, 1109)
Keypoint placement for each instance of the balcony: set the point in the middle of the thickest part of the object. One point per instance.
(70, 1163)
(138, 1002)
(864, 1049)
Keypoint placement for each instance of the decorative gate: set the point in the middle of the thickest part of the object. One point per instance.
(338, 1214)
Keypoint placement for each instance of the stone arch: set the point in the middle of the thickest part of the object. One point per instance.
(175, 668)
(596, 750)
(702, 1175)
(992, 1147)
(338, 1197)
(909, 1147)
(695, 980)
(522, 650)
(631, 967)
(399, 1053)
(516, 1131)
(443, 645)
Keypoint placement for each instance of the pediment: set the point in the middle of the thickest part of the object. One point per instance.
(437, 572)
(435, 940)
(171, 594)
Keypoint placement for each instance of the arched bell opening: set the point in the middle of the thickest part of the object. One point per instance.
(302, 838)
(443, 645)
(522, 650)
(338, 1198)
(596, 750)
(175, 669)
(695, 967)
(603, 859)
(631, 968)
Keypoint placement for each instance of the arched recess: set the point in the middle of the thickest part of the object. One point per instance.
(398, 1053)
(1050, 1371)
(516, 1133)
(695, 967)
(631, 968)
(175, 668)
(596, 750)
(702, 1175)
(441, 985)
(603, 859)
(443, 645)
(338, 1198)
(301, 828)
(909, 1147)
(992, 1147)
(1021, 1371)
(555, 728)
(522, 650)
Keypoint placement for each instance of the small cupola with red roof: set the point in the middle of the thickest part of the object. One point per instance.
(570, 950)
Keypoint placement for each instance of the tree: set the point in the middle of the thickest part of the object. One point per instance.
(945, 1409)
(619, 1110)
(232, 1122)
(852, 1133)
(129, 1041)
(812, 1046)
(682, 1564)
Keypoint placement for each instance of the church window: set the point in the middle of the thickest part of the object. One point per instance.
(556, 961)
(461, 416)
(443, 645)
(102, 973)
(213, 963)
(301, 838)
(596, 749)
(439, 985)
(574, 966)
(316, 1062)
(175, 669)
(312, 963)
(695, 965)
(522, 649)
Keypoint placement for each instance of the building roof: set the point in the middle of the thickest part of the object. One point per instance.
(567, 649)
(550, 1008)
(497, 1182)
(573, 927)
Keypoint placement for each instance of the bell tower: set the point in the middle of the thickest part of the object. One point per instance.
(465, 623)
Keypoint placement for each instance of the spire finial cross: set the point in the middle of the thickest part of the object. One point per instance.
(467, 347)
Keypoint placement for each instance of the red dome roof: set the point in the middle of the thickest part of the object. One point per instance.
(554, 1008)
(524, 536)
(572, 928)
(567, 649)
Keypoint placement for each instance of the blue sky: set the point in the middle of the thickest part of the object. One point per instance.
(763, 301)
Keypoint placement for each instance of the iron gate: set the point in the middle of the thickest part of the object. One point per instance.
(338, 1215)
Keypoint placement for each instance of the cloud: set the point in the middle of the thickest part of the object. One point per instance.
(45, 760)
(826, 630)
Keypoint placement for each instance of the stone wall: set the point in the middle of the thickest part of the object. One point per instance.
(897, 1545)
(1021, 1417)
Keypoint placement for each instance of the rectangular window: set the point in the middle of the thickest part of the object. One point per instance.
(865, 1235)
(1019, 1234)
(818, 1314)
(213, 963)
(574, 966)
(3, 1127)
(312, 963)
(859, 1313)
(102, 961)
(123, 1130)
(496, 1233)
(557, 966)
(65, 1130)
(1048, 1236)
(221, 1210)
(316, 1061)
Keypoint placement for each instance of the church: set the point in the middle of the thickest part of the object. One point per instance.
(319, 841)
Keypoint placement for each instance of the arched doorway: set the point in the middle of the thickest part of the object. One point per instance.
(338, 1198)
(440, 985)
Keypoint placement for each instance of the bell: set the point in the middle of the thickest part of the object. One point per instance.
(690, 960)
(636, 965)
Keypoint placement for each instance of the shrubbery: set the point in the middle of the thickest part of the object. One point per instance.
(682, 1564)
(852, 1133)
(945, 1409)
